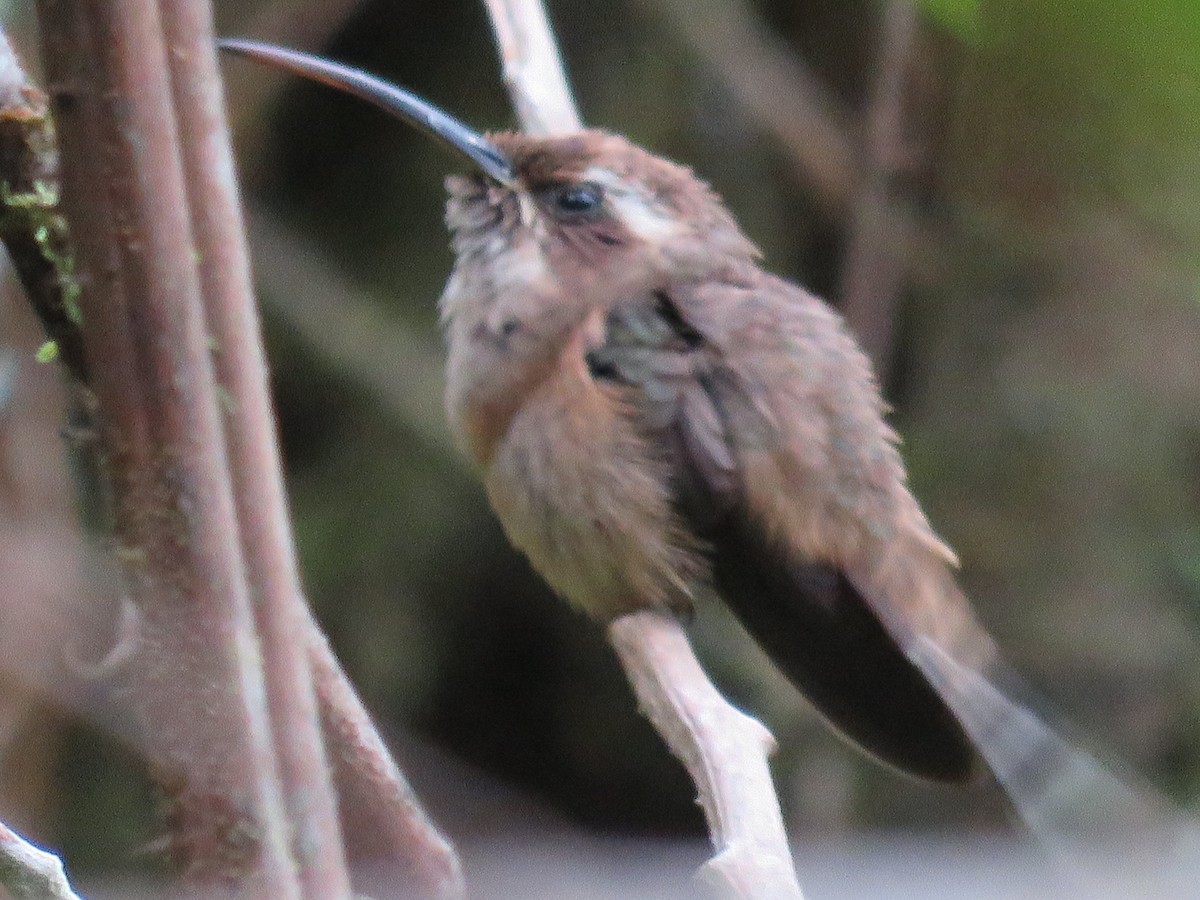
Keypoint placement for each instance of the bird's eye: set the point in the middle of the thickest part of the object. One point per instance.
(578, 200)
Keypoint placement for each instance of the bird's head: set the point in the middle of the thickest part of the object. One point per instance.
(594, 202)
(588, 208)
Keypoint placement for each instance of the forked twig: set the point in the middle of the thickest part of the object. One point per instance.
(725, 751)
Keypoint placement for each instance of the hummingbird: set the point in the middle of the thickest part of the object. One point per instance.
(657, 418)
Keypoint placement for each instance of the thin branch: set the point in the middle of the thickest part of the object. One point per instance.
(389, 834)
(194, 682)
(873, 271)
(724, 750)
(385, 828)
(788, 101)
(28, 872)
(532, 68)
(262, 514)
(776, 88)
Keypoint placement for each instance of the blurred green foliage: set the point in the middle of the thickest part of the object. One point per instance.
(959, 16)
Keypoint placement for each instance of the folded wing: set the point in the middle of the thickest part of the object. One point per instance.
(783, 465)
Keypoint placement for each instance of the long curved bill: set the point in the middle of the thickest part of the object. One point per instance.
(397, 101)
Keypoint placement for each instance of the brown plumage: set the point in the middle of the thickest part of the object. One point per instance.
(655, 415)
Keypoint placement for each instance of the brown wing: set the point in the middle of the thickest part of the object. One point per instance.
(784, 466)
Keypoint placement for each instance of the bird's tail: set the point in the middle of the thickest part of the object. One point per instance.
(1087, 817)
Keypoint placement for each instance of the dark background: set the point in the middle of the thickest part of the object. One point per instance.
(1040, 351)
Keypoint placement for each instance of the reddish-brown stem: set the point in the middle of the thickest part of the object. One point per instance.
(390, 838)
(388, 828)
(192, 680)
(387, 833)
(254, 462)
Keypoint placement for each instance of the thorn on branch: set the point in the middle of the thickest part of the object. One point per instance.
(117, 656)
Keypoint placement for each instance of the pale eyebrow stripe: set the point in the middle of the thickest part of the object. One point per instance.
(640, 214)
